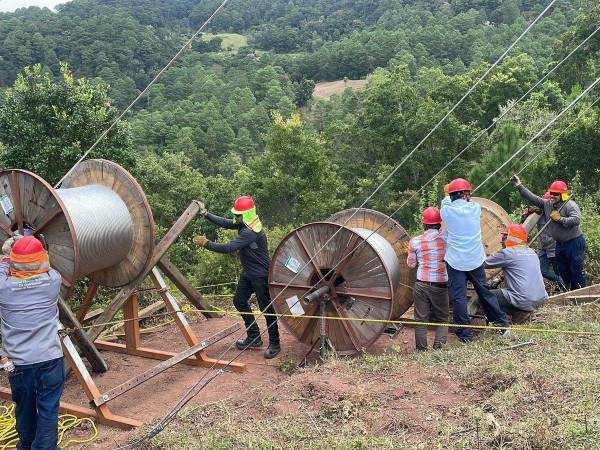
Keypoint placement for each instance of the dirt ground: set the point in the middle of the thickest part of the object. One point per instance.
(153, 399)
(326, 89)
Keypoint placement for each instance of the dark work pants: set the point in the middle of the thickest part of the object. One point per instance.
(569, 258)
(241, 300)
(457, 290)
(36, 391)
(431, 305)
(545, 263)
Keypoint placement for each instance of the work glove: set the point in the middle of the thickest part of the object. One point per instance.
(446, 189)
(535, 210)
(516, 180)
(203, 210)
(405, 246)
(555, 215)
(200, 240)
(7, 246)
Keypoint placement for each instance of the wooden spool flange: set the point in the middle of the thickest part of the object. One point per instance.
(29, 201)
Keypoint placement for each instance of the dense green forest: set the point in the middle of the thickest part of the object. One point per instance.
(225, 121)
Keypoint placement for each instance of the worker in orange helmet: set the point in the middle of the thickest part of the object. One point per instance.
(251, 244)
(465, 256)
(29, 291)
(524, 290)
(565, 219)
(430, 294)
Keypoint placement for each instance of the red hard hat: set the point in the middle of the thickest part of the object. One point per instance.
(242, 204)
(431, 216)
(559, 186)
(459, 184)
(27, 245)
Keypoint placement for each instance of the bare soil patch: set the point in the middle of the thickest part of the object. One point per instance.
(326, 89)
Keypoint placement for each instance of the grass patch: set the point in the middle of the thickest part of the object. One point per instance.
(466, 396)
(230, 40)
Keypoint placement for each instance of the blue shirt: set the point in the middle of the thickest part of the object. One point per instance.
(464, 249)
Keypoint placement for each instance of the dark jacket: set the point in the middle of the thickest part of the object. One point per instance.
(252, 246)
(568, 226)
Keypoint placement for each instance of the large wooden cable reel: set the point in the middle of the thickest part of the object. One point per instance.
(98, 224)
(364, 285)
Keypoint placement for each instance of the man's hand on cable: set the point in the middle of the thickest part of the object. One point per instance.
(516, 180)
(203, 210)
(555, 215)
(446, 189)
(200, 240)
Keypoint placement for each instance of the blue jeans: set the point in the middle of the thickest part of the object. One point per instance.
(36, 390)
(545, 263)
(457, 290)
(569, 258)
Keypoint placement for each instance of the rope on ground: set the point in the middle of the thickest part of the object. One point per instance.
(66, 422)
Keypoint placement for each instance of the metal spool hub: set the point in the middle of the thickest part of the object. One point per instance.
(98, 224)
(362, 286)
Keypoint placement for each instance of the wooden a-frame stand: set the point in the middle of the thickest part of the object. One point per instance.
(127, 300)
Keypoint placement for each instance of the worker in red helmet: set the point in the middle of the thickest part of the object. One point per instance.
(29, 291)
(251, 245)
(546, 246)
(430, 294)
(565, 219)
(524, 285)
(465, 256)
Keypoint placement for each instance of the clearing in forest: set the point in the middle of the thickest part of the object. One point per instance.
(326, 89)
(230, 40)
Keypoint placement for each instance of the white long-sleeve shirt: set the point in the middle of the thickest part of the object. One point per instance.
(464, 249)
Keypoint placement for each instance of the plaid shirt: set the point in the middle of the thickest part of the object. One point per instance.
(427, 252)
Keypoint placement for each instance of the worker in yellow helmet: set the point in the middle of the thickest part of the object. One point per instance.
(251, 244)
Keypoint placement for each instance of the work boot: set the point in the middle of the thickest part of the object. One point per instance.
(272, 351)
(249, 342)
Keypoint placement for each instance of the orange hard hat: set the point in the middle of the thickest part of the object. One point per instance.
(459, 184)
(431, 216)
(516, 235)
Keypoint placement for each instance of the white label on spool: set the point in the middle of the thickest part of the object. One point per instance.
(295, 306)
(293, 264)
(6, 204)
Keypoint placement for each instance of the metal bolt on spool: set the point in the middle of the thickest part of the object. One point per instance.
(98, 224)
(364, 285)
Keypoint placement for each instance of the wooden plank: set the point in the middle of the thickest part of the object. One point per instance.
(86, 304)
(132, 323)
(151, 353)
(159, 251)
(559, 298)
(146, 312)
(16, 195)
(92, 315)
(192, 294)
(84, 343)
(139, 379)
(104, 414)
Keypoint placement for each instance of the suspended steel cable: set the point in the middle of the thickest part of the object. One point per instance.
(539, 133)
(197, 387)
(545, 148)
(146, 89)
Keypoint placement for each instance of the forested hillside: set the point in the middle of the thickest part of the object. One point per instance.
(230, 119)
